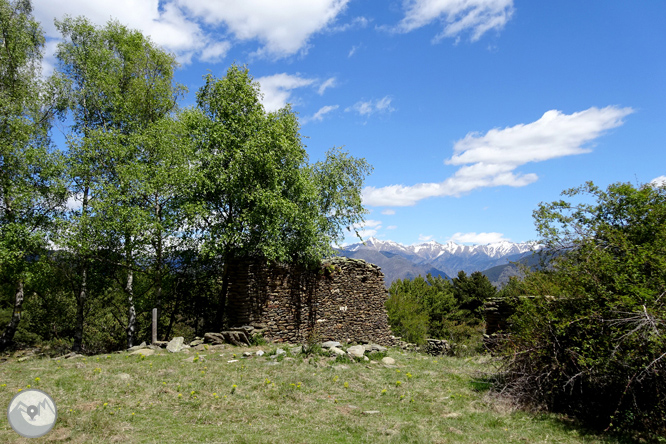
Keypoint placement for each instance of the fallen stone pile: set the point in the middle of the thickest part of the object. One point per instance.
(217, 341)
(355, 351)
(238, 336)
(438, 347)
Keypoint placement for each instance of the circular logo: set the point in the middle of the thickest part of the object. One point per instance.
(32, 413)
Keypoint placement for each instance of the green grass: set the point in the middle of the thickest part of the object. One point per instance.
(301, 399)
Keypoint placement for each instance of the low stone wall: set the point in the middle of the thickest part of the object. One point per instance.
(342, 301)
(496, 312)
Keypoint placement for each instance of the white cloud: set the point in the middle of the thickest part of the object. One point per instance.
(353, 50)
(372, 106)
(424, 238)
(283, 28)
(368, 229)
(215, 52)
(658, 181)
(366, 234)
(489, 160)
(358, 22)
(457, 16)
(202, 29)
(74, 202)
(277, 89)
(328, 83)
(319, 115)
(368, 223)
(391, 227)
(168, 26)
(478, 238)
(388, 212)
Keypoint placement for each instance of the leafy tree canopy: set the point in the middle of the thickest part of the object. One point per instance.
(598, 349)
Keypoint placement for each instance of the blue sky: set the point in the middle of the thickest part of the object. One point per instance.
(470, 111)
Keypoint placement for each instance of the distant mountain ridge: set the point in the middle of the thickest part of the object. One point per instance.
(400, 261)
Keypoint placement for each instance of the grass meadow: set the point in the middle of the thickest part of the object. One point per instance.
(217, 396)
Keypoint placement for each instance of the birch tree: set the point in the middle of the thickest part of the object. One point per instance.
(120, 87)
(30, 191)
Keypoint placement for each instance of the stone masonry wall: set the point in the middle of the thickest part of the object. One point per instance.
(344, 301)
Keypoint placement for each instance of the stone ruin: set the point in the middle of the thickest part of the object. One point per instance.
(341, 301)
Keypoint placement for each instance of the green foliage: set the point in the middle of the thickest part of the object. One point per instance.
(406, 312)
(591, 343)
(256, 192)
(165, 200)
(31, 182)
(470, 293)
(437, 308)
(258, 340)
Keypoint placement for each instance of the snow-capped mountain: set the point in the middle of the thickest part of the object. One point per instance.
(432, 249)
(399, 261)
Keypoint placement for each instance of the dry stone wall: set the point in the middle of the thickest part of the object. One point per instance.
(342, 301)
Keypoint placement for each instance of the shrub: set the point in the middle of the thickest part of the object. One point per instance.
(592, 342)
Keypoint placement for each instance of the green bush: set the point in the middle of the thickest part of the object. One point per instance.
(591, 343)
(435, 307)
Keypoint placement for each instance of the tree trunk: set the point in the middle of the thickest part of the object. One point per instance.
(81, 300)
(131, 318)
(83, 290)
(222, 297)
(8, 336)
(159, 259)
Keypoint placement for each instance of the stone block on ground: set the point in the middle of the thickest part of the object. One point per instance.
(356, 351)
(214, 338)
(143, 351)
(337, 351)
(137, 347)
(175, 345)
(236, 337)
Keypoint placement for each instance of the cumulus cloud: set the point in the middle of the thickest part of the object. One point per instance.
(369, 228)
(478, 238)
(167, 26)
(489, 160)
(372, 106)
(457, 16)
(283, 28)
(658, 181)
(215, 52)
(204, 29)
(388, 212)
(391, 227)
(277, 89)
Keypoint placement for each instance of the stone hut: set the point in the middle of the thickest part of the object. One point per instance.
(343, 301)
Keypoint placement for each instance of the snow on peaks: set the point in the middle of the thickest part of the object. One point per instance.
(432, 249)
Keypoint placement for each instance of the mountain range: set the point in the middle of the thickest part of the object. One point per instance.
(399, 261)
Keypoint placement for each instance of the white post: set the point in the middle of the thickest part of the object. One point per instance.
(154, 325)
